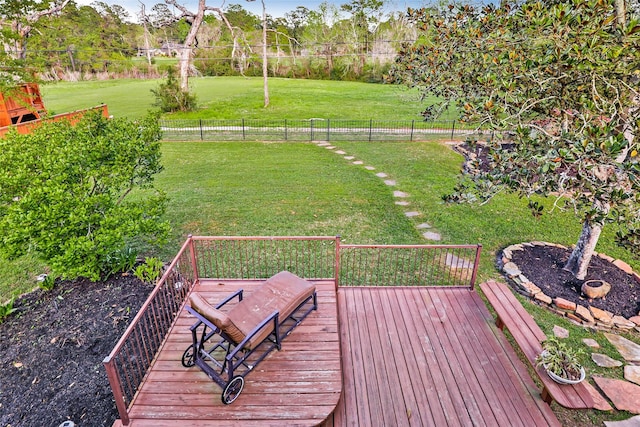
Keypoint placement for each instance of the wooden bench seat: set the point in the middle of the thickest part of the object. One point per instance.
(528, 335)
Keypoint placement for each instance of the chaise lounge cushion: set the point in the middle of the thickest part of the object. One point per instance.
(217, 317)
(283, 293)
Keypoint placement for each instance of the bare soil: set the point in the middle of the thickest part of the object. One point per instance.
(52, 348)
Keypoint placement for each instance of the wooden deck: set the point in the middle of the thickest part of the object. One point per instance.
(429, 357)
(298, 385)
(410, 357)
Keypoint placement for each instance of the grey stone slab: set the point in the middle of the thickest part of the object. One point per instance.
(412, 214)
(511, 269)
(423, 225)
(381, 175)
(370, 168)
(349, 157)
(403, 203)
(632, 373)
(390, 182)
(340, 152)
(358, 162)
(400, 194)
(629, 350)
(605, 361)
(560, 332)
(430, 235)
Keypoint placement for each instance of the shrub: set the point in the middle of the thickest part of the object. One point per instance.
(170, 97)
(150, 270)
(65, 192)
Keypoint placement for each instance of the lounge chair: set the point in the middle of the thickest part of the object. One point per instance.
(229, 341)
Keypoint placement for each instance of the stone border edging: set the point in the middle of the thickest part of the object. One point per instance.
(585, 315)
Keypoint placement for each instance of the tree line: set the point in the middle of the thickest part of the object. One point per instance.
(59, 39)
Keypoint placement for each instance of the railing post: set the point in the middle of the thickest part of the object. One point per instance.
(116, 386)
(412, 126)
(476, 263)
(337, 262)
(201, 131)
(192, 257)
(453, 128)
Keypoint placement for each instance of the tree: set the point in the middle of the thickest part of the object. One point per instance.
(265, 59)
(364, 13)
(17, 18)
(195, 20)
(66, 193)
(563, 77)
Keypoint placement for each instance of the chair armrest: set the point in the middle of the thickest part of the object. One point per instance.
(273, 317)
(237, 293)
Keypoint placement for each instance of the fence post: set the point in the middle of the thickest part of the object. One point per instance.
(243, 133)
(285, 129)
(311, 130)
(201, 132)
(476, 263)
(412, 125)
(370, 128)
(453, 128)
(328, 128)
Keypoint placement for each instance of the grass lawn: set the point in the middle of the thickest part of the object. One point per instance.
(239, 97)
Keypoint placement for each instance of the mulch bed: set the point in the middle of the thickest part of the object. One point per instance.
(52, 348)
(543, 266)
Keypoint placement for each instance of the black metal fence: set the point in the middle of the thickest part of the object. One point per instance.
(312, 130)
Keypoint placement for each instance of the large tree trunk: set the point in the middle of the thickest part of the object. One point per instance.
(579, 259)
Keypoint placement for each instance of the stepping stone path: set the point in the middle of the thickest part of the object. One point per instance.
(605, 361)
(429, 235)
(629, 350)
(632, 373)
(624, 395)
(591, 343)
(560, 332)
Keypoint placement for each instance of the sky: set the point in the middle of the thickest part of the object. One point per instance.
(276, 8)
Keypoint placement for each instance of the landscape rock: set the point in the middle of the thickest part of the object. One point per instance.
(591, 343)
(631, 422)
(605, 361)
(629, 350)
(390, 182)
(635, 319)
(583, 313)
(602, 315)
(400, 194)
(542, 297)
(430, 235)
(632, 373)
(560, 332)
(622, 323)
(340, 152)
(624, 395)
(423, 225)
(564, 304)
(381, 175)
(349, 157)
(511, 269)
(358, 162)
(402, 203)
(411, 214)
(370, 168)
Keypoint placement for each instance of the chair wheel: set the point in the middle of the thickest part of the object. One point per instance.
(188, 357)
(232, 390)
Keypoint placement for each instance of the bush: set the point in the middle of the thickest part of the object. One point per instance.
(65, 193)
(170, 97)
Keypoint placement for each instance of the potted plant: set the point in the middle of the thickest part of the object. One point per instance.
(561, 362)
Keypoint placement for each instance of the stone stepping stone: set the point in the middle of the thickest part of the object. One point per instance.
(430, 235)
(632, 373)
(400, 194)
(402, 203)
(591, 343)
(358, 162)
(412, 214)
(629, 350)
(370, 168)
(349, 157)
(381, 175)
(340, 152)
(624, 395)
(453, 261)
(423, 225)
(330, 147)
(323, 144)
(605, 361)
(560, 332)
(631, 422)
(390, 182)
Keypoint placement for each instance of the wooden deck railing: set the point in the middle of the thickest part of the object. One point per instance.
(408, 265)
(251, 258)
(130, 359)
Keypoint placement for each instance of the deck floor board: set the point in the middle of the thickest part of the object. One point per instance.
(393, 356)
